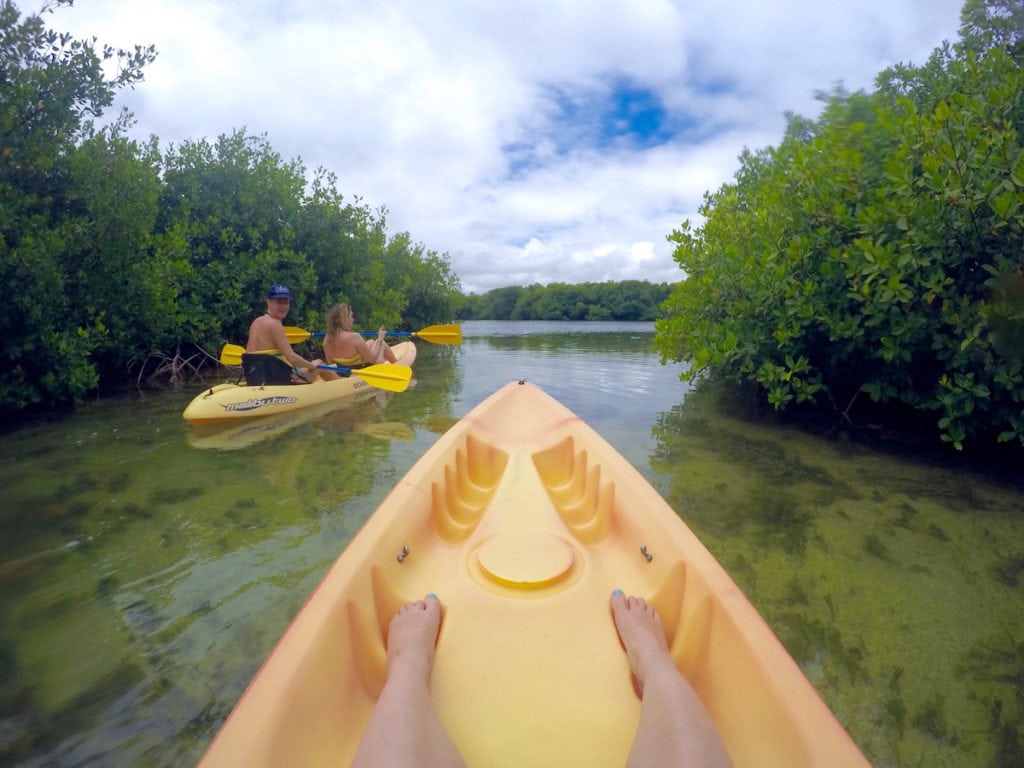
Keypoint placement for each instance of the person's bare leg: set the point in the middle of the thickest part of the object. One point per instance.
(674, 728)
(404, 729)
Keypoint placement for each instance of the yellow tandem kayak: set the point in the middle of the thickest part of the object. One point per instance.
(523, 520)
(225, 403)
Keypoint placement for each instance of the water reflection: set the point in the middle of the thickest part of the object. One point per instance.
(606, 373)
(349, 414)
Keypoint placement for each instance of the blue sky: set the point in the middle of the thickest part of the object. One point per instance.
(530, 140)
(616, 113)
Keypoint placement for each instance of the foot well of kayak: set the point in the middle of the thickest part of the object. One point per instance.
(523, 520)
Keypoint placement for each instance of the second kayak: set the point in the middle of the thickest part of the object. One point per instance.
(232, 402)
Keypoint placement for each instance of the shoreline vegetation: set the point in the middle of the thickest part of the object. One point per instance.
(869, 267)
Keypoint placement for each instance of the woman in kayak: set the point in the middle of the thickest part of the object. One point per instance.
(343, 346)
(405, 730)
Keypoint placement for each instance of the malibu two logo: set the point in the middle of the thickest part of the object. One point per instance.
(259, 402)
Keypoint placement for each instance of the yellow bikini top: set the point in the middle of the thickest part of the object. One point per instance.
(348, 361)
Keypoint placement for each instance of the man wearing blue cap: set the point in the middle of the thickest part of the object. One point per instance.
(268, 341)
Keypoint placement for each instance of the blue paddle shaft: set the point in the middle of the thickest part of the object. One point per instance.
(321, 334)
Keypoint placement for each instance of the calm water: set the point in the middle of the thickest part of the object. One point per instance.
(147, 567)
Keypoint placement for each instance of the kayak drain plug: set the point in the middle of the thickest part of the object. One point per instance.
(405, 554)
(647, 555)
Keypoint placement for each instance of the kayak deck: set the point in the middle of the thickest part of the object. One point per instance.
(226, 403)
(523, 520)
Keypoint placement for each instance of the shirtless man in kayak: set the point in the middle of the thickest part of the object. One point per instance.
(404, 729)
(343, 346)
(266, 334)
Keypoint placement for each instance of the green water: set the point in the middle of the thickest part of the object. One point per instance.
(147, 567)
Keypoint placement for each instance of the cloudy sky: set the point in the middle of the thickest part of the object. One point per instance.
(530, 140)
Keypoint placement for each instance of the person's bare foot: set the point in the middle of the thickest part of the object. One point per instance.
(643, 637)
(412, 635)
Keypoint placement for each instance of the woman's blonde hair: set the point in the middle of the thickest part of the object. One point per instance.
(339, 319)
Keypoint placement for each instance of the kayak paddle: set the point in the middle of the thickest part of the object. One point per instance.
(436, 334)
(394, 378)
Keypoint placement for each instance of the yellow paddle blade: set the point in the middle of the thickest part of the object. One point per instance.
(296, 335)
(394, 378)
(232, 354)
(441, 334)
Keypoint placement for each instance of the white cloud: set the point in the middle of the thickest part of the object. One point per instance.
(451, 113)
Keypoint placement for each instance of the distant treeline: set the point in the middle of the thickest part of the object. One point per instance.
(120, 262)
(626, 300)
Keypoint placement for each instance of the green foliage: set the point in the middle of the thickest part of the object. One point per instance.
(989, 24)
(50, 85)
(235, 217)
(875, 252)
(117, 262)
(231, 206)
(112, 187)
(626, 300)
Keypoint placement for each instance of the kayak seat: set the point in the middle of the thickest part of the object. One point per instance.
(261, 369)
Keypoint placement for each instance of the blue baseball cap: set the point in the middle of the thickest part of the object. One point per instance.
(279, 292)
